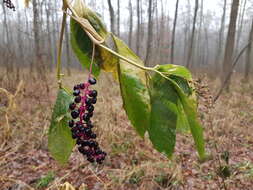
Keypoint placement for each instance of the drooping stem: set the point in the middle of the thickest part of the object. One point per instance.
(92, 60)
(126, 59)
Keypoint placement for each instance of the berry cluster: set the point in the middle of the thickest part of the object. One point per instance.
(9, 4)
(81, 126)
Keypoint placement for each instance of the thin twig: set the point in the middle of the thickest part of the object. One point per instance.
(225, 83)
(60, 45)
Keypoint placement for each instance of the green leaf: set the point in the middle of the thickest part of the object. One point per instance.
(134, 91)
(176, 70)
(60, 142)
(188, 101)
(164, 115)
(82, 47)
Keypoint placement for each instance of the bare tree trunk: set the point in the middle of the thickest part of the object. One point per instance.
(37, 40)
(162, 31)
(67, 49)
(111, 17)
(230, 42)
(173, 34)
(249, 55)
(54, 38)
(138, 28)
(199, 43)
(221, 39)
(186, 30)
(240, 25)
(8, 64)
(118, 19)
(20, 45)
(191, 46)
(130, 34)
(150, 32)
(49, 39)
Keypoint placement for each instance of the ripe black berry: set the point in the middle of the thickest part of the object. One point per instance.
(92, 81)
(90, 108)
(74, 136)
(76, 92)
(75, 114)
(78, 99)
(90, 114)
(90, 159)
(93, 93)
(93, 100)
(88, 101)
(76, 87)
(86, 117)
(82, 86)
(71, 123)
(87, 131)
(93, 136)
(93, 144)
(72, 106)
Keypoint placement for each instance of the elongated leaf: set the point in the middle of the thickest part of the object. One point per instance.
(134, 91)
(189, 105)
(60, 142)
(164, 115)
(82, 47)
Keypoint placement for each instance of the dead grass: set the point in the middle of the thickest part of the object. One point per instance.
(132, 163)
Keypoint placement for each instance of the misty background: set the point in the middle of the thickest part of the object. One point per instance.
(159, 31)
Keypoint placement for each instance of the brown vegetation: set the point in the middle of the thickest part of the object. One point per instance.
(132, 162)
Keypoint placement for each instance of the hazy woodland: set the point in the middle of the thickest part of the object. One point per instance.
(213, 39)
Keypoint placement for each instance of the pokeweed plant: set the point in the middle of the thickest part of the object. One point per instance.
(158, 101)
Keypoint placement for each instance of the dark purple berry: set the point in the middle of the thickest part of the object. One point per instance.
(71, 123)
(93, 93)
(79, 141)
(87, 131)
(86, 117)
(76, 87)
(98, 152)
(90, 114)
(72, 106)
(93, 144)
(93, 136)
(92, 81)
(90, 108)
(76, 92)
(94, 100)
(82, 86)
(86, 143)
(74, 136)
(78, 99)
(80, 149)
(75, 114)
(90, 159)
(88, 101)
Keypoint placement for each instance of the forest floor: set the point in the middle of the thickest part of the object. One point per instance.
(132, 163)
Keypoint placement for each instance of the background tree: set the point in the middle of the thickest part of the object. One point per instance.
(150, 32)
(230, 42)
(174, 33)
(112, 16)
(192, 38)
(249, 55)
